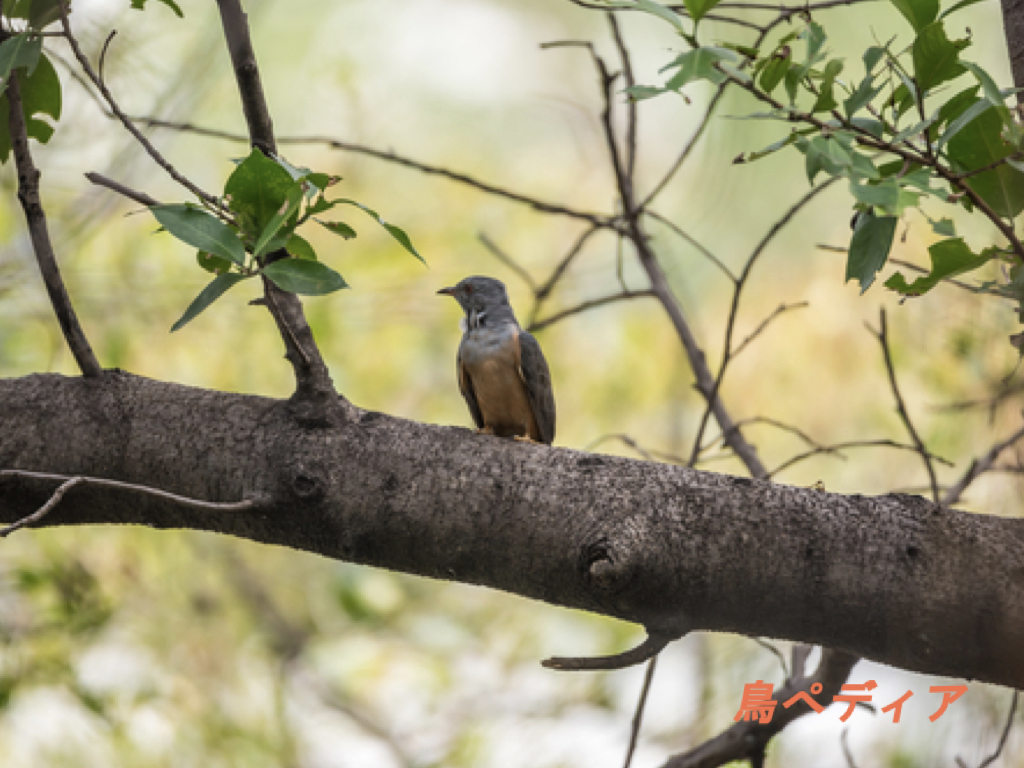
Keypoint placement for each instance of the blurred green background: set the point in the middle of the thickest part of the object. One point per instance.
(128, 647)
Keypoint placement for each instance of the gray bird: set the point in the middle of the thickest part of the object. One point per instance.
(502, 372)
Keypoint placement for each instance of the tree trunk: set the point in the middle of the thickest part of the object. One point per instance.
(894, 578)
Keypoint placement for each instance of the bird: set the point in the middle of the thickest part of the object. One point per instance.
(501, 370)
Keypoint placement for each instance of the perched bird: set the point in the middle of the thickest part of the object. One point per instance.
(502, 372)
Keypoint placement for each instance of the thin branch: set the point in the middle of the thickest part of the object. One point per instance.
(152, 151)
(775, 652)
(835, 450)
(688, 238)
(638, 715)
(648, 649)
(543, 292)
(1006, 734)
(139, 197)
(391, 157)
(44, 510)
(727, 351)
(35, 218)
(979, 467)
(779, 310)
(537, 325)
(883, 338)
(846, 748)
(507, 260)
(631, 106)
(773, 423)
(100, 482)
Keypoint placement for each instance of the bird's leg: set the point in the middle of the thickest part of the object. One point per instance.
(525, 439)
(485, 431)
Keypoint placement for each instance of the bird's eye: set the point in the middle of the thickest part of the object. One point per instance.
(468, 289)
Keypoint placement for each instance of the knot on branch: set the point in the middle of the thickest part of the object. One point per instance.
(612, 559)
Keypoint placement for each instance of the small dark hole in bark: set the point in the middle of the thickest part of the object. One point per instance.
(913, 552)
(809, 553)
(590, 461)
(306, 487)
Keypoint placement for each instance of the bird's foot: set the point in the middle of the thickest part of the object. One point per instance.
(485, 431)
(525, 439)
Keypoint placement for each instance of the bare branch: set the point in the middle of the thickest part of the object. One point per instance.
(99, 482)
(631, 109)
(35, 218)
(835, 450)
(747, 739)
(1006, 734)
(139, 197)
(883, 338)
(507, 260)
(686, 236)
(638, 716)
(44, 510)
(538, 325)
(648, 649)
(775, 652)
(779, 310)
(979, 467)
(152, 151)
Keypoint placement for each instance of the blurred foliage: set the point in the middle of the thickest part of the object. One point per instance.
(131, 647)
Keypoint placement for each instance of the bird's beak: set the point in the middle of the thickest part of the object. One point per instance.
(447, 291)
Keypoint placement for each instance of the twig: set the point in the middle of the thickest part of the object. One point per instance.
(883, 338)
(773, 423)
(835, 450)
(543, 292)
(776, 652)
(1006, 734)
(631, 107)
(35, 218)
(638, 715)
(139, 197)
(69, 482)
(44, 510)
(152, 151)
(648, 649)
(507, 260)
(688, 238)
(846, 748)
(391, 157)
(979, 467)
(741, 282)
(537, 325)
(781, 309)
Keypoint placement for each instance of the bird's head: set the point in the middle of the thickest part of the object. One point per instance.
(477, 295)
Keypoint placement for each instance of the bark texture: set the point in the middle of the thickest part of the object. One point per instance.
(894, 578)
(1013, 25)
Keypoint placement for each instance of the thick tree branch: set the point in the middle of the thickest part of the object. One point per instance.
(894, 578)
(35, 218)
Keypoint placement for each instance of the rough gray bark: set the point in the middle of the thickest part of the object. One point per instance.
(1013, 26)
(893, 578)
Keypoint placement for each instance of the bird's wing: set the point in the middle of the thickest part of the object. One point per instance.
(466, 388)
(534, 370)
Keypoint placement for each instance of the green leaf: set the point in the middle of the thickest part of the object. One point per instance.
(964, 119)
(641, 92)
(699, 64)
(773, 73)
(826, 101)
(141, 5)
(871, 57)
(949, 259)
(944, 227)
(257, 189)
(698, 8)
(919, 13)
(213, 264)
(775, 147)
(38, 13)
(988, 85)
(284, 213)
(19, 51)
(655, 9)
(957, 6)
(300, 249)
(310, 278)
(338, 228)
(936, 58)
(869, 248)
(209, 294)
(825, 154)
(978, 144)
(40, 95)
(815, 37)
(200, 230)
(882, 195)
(395, 232)
(862, 96)
(954, 107)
